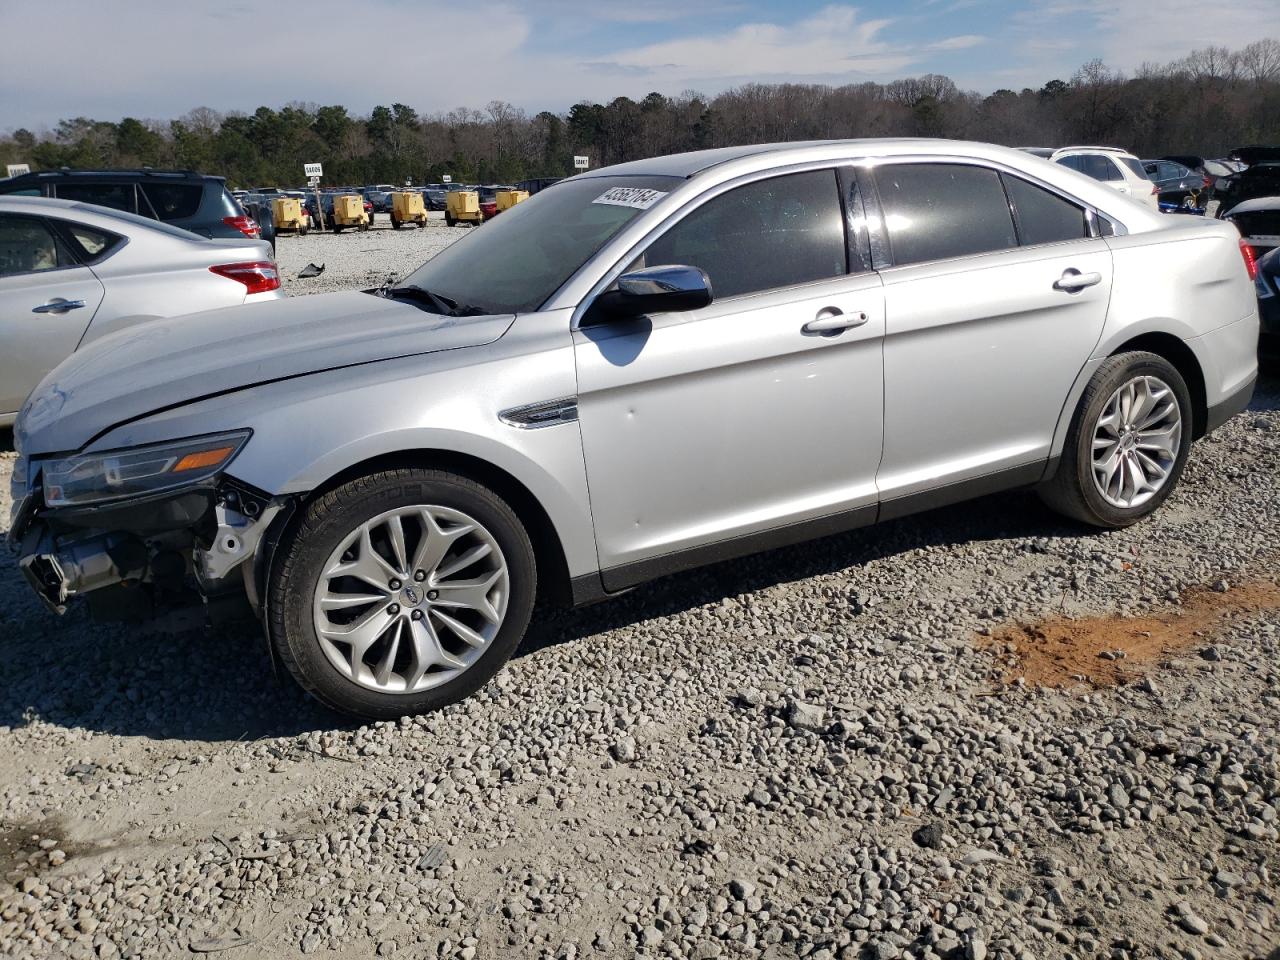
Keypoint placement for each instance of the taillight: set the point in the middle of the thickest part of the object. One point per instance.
(246, 225)
(1208, 181)
(258, 276)
(1250, 259)
(1155, 189)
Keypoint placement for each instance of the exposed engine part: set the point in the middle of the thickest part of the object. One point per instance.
(234, 541)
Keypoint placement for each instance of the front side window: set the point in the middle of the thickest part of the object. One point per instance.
(118, 196)
(771, 233)
(1044, 217)
(28, 246)
(936, 211)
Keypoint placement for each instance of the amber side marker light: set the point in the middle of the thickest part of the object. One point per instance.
(202, 459)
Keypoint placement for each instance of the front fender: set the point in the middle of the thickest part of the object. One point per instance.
(310, 429)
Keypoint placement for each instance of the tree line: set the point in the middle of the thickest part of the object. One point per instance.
(1205, 103)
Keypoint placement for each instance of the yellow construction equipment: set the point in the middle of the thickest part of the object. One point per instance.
(407, 207)
(348, 211)
(463, 206)
(289, 215)
(509, 198)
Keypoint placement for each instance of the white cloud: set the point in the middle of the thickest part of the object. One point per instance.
(831, 42)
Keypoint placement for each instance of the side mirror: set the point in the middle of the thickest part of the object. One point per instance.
(655, 290)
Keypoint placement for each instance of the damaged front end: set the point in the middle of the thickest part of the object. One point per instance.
(140, 531)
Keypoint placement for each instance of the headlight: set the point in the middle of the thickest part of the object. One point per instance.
(138, 471)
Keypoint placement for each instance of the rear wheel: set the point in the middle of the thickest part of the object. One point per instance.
(448, 220)
(1128, 443)
(401, 592)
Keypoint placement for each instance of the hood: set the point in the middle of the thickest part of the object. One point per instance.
(164, 363)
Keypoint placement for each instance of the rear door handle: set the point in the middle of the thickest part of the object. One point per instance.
(1073, 280)
(58, 305)
(831, 320)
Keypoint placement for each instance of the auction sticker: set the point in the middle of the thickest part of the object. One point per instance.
(637, 197)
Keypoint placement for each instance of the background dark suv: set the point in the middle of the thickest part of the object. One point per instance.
(182, 198)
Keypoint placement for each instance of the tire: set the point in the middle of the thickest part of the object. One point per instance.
(422, 223)
(327, 533)
(302, 229)
(448, 220)
(395, 224)
(1076, 489)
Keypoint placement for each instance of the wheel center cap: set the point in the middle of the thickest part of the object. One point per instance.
(412, 595)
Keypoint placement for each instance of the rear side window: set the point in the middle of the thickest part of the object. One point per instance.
(118, 196)
(1096, 166)
(1044, 217)
(27, 245)
(768, 234)
(90, 242)
(174, 201)
(1136, 167)
(935, 211)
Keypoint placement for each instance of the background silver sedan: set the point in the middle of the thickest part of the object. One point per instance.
(72, 272)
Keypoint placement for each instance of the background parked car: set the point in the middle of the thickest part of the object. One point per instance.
(181, 198)
(1117, 168)
(535, 184)
(258, 206)
(435, 196)
(1256, 182)
(1176, 184)
(1258, 221)
(72, 272)
(1268, 286)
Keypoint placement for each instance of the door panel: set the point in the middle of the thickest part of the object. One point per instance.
(703, 426)
(980, 354)
(35, 343)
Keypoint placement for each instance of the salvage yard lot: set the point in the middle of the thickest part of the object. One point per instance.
(897, 742)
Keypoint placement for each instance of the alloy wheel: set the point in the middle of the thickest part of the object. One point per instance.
(411, 598)
(1136, 442)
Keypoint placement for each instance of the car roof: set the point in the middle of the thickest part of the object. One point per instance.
(39, 176)
(89, 212)
(1118, 151)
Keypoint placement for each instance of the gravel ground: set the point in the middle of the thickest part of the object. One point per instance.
(841, 749)
(357, 261)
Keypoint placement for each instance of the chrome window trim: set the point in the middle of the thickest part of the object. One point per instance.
(671, 219)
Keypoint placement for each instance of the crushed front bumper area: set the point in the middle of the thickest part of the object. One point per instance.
(129, 571)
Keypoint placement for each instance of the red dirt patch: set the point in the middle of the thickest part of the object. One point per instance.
(1110, 651)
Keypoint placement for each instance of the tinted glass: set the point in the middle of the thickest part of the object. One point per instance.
(118, 196)
(522, 257)
(1044, 217)
(1072, 163)
(28, 246)
(1098, 167)
(1133, 165)
(772, 233)
(934, 211)
(174, 201)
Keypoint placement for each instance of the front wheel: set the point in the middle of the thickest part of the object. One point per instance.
(401, 592)
(1128, 443)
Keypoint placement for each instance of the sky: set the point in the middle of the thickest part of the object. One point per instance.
(158, 59)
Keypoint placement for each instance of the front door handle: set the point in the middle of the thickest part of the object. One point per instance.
(831, 320)
(58, 305)
(1073, 280)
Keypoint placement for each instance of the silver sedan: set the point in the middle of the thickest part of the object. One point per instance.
(73, 272)
(639, 370)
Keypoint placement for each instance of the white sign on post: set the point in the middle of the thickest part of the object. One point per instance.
(17, 169)
(313, 169)
(581, 163)
(447, 178)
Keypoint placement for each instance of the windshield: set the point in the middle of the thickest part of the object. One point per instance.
(517, 260)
